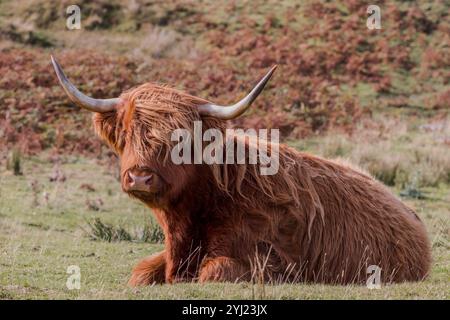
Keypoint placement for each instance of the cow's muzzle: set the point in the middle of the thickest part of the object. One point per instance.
(143, 183)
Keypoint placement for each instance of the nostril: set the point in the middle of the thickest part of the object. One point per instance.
(131, 179)
(148, 180)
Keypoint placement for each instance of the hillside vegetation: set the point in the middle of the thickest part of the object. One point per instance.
(332, 71)
(377, 98)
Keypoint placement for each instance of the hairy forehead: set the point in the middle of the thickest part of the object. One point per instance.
(150, 103)
(148, 116)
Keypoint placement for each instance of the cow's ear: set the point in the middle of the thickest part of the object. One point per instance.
(109, 128)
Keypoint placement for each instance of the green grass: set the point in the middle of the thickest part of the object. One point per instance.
(47, 226)
(43, 232)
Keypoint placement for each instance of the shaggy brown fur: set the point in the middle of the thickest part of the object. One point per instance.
(315, 220)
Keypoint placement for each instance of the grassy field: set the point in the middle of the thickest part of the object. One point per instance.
(44, 228)
(377, 98)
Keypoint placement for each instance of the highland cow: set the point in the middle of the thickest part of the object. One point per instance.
(315, 220)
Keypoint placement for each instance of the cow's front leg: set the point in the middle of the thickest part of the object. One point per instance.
(150, 270)
(223, 269)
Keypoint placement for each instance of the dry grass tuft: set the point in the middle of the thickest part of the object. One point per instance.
(14, 162)
(406, 156)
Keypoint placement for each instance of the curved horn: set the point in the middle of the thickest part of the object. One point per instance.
(82, 100)
(235, 110)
